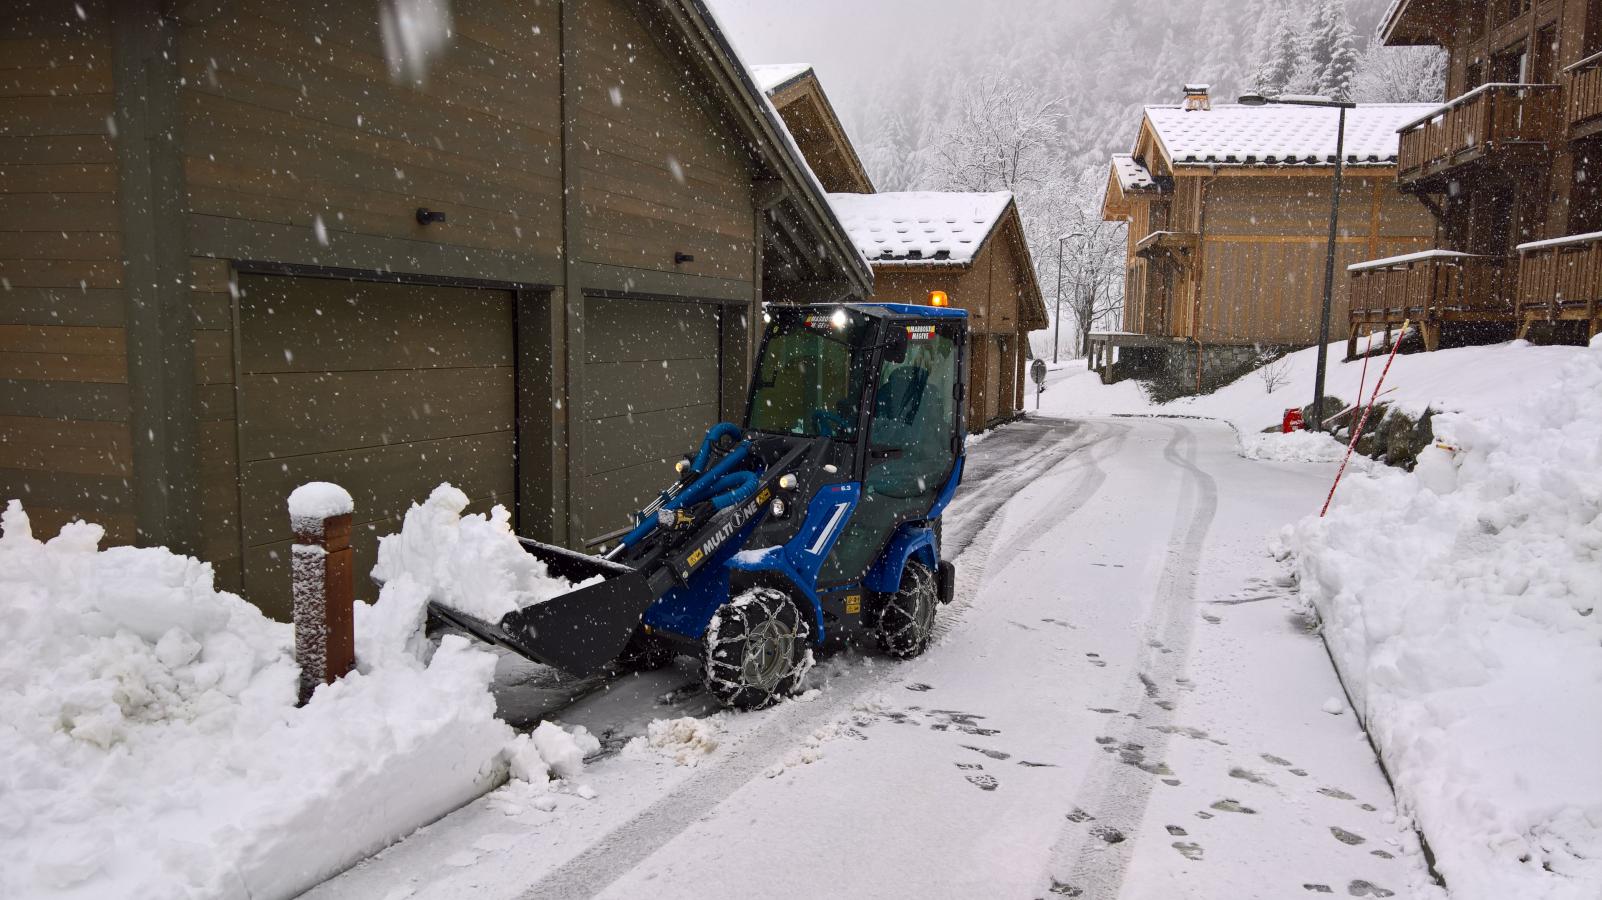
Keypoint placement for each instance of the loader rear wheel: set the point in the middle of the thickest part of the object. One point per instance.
(906, 617)
(756, 649)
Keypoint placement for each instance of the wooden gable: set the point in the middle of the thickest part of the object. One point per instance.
(820, 136)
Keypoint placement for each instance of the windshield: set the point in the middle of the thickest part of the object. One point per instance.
(809, 380)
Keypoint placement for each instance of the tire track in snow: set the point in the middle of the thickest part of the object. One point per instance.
(634, 841)
(1116, 792)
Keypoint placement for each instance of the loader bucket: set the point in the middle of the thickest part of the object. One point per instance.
(578, 632)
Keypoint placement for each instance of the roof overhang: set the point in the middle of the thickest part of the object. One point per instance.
(796, 200)
(1418, 23)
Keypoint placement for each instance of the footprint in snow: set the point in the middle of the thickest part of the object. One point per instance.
(993, 754)
(1275, 760)
(1249, 775)
(1107, 833)
(1188, 849)
(920, 687)
(1346, 837)
(1381, 854)
(1106, 711)
(984, 782)
(1065, 890)
(1300, 772)
(1234, 806)
(1177, 831)
(1361, 888)
(1211, 619)
(1318, 888)
(970, 765)
(1079, 815)
(1036, 765)
(1337, 793)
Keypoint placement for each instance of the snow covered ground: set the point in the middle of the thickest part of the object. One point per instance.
(1125, 700)
(1461, 605)
(153, 747)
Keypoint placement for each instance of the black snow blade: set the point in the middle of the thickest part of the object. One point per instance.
(578, 632)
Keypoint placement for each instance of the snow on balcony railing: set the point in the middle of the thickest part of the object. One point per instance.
(1409, 258)
(1587, 238)
(1465, 98)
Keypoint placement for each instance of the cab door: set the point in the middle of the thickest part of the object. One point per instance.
(912, 444)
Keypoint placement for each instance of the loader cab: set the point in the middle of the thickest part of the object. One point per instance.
(881, 387)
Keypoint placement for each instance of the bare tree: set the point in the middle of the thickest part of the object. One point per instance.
(1273, 368)
(1001, 138)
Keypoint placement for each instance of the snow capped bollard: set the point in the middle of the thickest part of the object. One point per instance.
(321, 580)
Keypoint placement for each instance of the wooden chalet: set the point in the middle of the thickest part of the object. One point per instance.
(970, 247)
(1228, 212)
(239, 254)
(1509, 167)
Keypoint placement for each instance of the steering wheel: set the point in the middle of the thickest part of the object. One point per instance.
(828, 422)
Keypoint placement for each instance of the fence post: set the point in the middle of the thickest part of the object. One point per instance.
(321, 581)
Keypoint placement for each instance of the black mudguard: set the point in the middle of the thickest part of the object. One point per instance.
(946, 581)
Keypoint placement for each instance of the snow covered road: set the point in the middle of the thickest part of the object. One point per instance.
(1122, 702)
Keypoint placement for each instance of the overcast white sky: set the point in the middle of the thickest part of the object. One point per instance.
(851, 42)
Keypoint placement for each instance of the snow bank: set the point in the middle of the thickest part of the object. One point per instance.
(1297, 446)
(152, 744)
(1460, 604)
(1491, 380)
(471, 563)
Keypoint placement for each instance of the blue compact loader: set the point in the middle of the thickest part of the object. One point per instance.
(817, 520)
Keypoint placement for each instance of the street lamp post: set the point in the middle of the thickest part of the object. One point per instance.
(1341, 106)
(1056, 325)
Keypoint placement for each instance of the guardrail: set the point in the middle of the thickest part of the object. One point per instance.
(1476, 122)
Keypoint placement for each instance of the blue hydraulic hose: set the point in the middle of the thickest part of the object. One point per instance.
(713, 435)
(728, 488)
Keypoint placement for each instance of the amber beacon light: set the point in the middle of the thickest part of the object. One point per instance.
(938, 298)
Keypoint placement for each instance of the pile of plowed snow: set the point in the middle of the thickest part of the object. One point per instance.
(150, 735)
(1461, 606)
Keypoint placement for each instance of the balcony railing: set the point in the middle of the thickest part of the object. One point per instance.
(1561, 278)
(1585, 89)
(1432, 286)
(1490, 116)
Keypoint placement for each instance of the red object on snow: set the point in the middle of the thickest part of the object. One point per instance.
(1292, 422)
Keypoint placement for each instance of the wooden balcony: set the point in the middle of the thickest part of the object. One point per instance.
(1431, 288)
(1481, 124)
(1561, 279)
(1585, 90)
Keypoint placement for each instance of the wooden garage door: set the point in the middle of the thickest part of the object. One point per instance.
(385, 389)
(650, 392)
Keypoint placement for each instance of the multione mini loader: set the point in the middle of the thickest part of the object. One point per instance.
(819, 518)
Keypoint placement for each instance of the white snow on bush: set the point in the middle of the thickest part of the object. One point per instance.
(1460, 604)
(472, 563)
(152, 744)
(1297, 446)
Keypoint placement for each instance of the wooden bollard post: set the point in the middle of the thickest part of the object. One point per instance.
(322, 581)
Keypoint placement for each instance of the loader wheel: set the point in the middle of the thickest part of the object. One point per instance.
(906, 618)
(756, 649)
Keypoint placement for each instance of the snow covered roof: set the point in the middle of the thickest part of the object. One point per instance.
(920, 227)
(771, 78)
(1132, 176)
(1273, 135)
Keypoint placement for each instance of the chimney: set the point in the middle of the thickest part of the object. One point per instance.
(1196, 97)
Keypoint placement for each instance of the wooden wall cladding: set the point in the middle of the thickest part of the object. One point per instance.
(64, 441)
(660, 171)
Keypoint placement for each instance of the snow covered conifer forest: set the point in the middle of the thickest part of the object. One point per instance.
(1032, 96)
